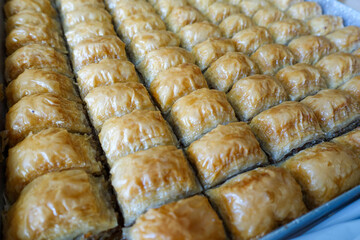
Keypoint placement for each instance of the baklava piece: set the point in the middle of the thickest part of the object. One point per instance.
(34, 157)
(41, 111)
(210, 50)
(250, 7)
(202, 5)
(137, 23)
(251, 95)
(42, 6)
(234, 24)
(310, 49)
(218, 11)
(165, 7)
(286, 127)
(256, 202)
(85, 14)
(125, 9)
(181, 16)
(286, 30)
(272, 57)
(284, 4)
(33, 19)
(334, 109)
(228, 69)
(33, 81)
(93, 50)
(61, 205)
(185, 79)
(351, 140)
(324, 172)
(265, 16)
(106, 72)
(199, 112)
(66, 6)
(36, 56)
(325, 24)
(147, 41)
(352, 87)
(136, 131)
(151, 178)
(338, 68)
(195, 33)
(85, 30)
(346, 39)
(301, 80)
(224, 152)
(249, 40)
(177, 220)
(116, 100)
(356, 53)
(111, 5)
(162, 59)
(304, 10)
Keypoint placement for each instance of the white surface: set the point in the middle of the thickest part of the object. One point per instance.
(355, 4)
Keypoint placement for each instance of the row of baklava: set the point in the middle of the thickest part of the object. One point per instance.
(53, 168)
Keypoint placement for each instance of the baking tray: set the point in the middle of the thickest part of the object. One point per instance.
(292, 229)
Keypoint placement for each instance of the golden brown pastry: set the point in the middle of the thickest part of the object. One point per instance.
(325, 24)
(66, 6)
(177, 220)
(249, 40)
(338, 68)
(351, 140)
(33, 81)
(61, 205)
(356, 52)
(301, 80)
(284, 4)
(266, 16)
(85, 14)
(93, 50)
(15, 6)
(210, 50)
(151, 178)
(124, 9)
(218, 11)
(181, 16)
(254, 203)
(228, 69)
(198, 32)
(346, 39)
(324, 172)
(34, 157)
(285, 30)
(161, 59)
(235, 23)
(352, 87)
(304, 10)
(106, 72)
(84, 30)
(41, 111)
(334, 109)
(137, 23)
(309, 49)
(164, 7)
(251, 95)
(272, 57)
(250, 7)
(199, 112)
(116, 100)
(136, 131)
(111, 4)
(202, 5)
(224, 152)
(28, 34)
(185, 78)
(286, 127)
(25, 18)
(35, 56)
(147, 41)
